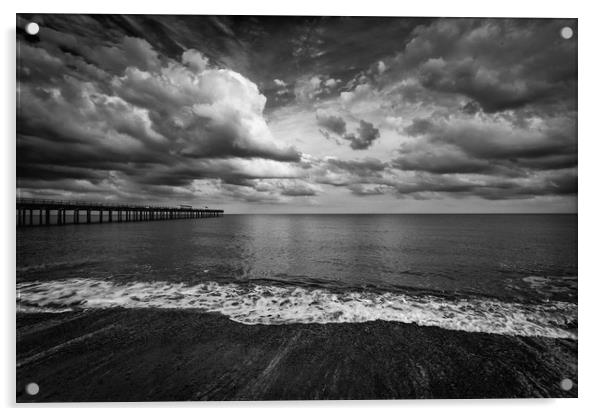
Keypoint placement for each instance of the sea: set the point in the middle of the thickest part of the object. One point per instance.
(501, 274)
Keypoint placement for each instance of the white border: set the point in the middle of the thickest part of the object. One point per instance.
(590, 230)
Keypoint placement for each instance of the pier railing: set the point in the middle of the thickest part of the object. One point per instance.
(54, 212)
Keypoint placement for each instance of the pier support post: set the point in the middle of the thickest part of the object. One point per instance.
(46, 209)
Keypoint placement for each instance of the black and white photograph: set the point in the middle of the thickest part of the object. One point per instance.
(295, 207)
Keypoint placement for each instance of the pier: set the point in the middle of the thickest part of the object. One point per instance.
(34, 212)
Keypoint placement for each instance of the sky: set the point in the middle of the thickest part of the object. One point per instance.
(299, 114)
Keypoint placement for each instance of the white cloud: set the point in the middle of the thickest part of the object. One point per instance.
(331, 82)
(308, 88)
(212, 113)
(196, 60)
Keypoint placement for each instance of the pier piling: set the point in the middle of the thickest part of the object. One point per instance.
(124, 212)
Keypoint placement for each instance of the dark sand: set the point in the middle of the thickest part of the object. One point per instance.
(155, 355)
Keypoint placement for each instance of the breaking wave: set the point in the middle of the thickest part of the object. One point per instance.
(276, 305)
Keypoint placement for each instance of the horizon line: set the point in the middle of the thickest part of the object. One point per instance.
(400, 213)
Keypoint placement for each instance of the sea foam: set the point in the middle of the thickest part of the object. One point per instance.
(276, 305)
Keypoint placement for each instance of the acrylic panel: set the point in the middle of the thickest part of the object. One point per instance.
(295, 208)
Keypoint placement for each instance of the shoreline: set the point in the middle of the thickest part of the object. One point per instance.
(179, 355)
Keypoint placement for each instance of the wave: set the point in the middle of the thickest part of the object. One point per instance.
(552, 284)
(275, 305)
(43, 267)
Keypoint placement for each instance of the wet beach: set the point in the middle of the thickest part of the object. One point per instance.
(121, 354)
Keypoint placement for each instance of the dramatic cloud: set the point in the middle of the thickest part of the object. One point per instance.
(234, 110)
(499, 63)
(490, 145)
(174, 119)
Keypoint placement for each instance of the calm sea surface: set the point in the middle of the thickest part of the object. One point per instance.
(316, 268)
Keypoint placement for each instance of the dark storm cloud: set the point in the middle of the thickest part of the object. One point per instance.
(499, 63)
(492, 146)
(364, 136)
(504, 124)
(422, 176)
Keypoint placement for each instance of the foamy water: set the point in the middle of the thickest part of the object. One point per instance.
(275, 305)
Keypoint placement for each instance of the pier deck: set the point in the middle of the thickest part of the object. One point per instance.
(34, 212)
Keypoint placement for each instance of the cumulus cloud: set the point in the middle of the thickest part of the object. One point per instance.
(173, 118)
(195, 60)
(331, 82)
(299, 188)
(364, 136)
(309, 89)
